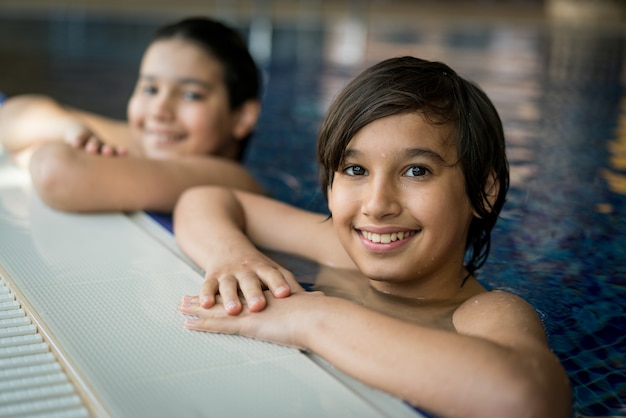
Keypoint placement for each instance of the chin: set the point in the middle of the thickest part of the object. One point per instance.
(158, 153)
(378, 274)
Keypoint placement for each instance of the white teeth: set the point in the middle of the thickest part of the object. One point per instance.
(385, 238)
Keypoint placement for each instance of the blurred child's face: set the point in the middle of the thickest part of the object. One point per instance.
(399, 205)
(180, 105)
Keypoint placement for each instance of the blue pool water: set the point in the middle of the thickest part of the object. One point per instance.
(561, 242)
(561, 92)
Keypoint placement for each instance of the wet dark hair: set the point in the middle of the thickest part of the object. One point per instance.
(405, 85)
(240, 71)
(241, 74)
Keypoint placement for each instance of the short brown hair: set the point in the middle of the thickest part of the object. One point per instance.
(408, 84)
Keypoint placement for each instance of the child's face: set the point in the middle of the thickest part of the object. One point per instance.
(180, 104)
(399, 205)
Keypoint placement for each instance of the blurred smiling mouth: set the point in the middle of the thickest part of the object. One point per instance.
(164, 137)
(386, 238)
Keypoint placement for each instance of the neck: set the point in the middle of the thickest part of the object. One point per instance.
(428, 289)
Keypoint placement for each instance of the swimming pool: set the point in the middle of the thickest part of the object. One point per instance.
(561, 242)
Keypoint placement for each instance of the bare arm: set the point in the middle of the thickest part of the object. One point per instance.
(29, 121)
(72, 180)
(221, 229)
(497, 365)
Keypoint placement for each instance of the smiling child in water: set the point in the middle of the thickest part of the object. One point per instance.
(195, 104)
(414, 168)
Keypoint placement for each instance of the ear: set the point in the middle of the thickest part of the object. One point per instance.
(246, 118)
(492, 187)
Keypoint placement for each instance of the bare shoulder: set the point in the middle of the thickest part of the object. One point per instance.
(501, 316)
(512, 324)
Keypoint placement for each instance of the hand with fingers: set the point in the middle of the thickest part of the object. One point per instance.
(281, 321)
(246, 280)
(80, 137)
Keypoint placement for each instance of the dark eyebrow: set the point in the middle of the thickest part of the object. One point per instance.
(189, 80)
(409, 152)
(425, 153)
(351, 153)
(196, 82)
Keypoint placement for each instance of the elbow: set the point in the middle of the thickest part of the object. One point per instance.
(17, 131)
(51, 170)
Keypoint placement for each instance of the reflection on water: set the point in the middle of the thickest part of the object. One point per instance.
(561, 241)
(615, 175)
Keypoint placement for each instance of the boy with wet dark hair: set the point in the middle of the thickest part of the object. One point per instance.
(415, 173)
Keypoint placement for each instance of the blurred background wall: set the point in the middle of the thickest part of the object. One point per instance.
(606, 11)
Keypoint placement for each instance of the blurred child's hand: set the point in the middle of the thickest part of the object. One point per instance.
(248, 277)
(79, 136)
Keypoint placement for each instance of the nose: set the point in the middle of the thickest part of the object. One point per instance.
(381, 199)
(162, 107)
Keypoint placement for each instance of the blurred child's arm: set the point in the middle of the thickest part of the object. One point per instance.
(72, 180)
(221, 229)
(497, 365)
(28, 121)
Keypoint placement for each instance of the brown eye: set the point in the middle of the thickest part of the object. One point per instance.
(193, 96)
(149, 90)
(355, 170)
(416, 171)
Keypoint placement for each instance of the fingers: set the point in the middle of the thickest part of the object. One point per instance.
(252, 291)
(208, 290)
(227, 287)
(277, 281)
(199, 319)
(78, 139)
(84, 139)
(121, 151)
(247, 287)
(93, 145)
(250, 283)
(277, 323)
(107, 150)
(111, 151)
(189, 305)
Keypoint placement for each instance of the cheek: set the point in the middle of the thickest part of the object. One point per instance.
(209, 131)
(436, 207)
(453, 210)
(342, 202)
(134, 111)
(203, 121)
(329, 198)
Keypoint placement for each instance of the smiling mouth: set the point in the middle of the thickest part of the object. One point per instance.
(160, 137)
(386, 238)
